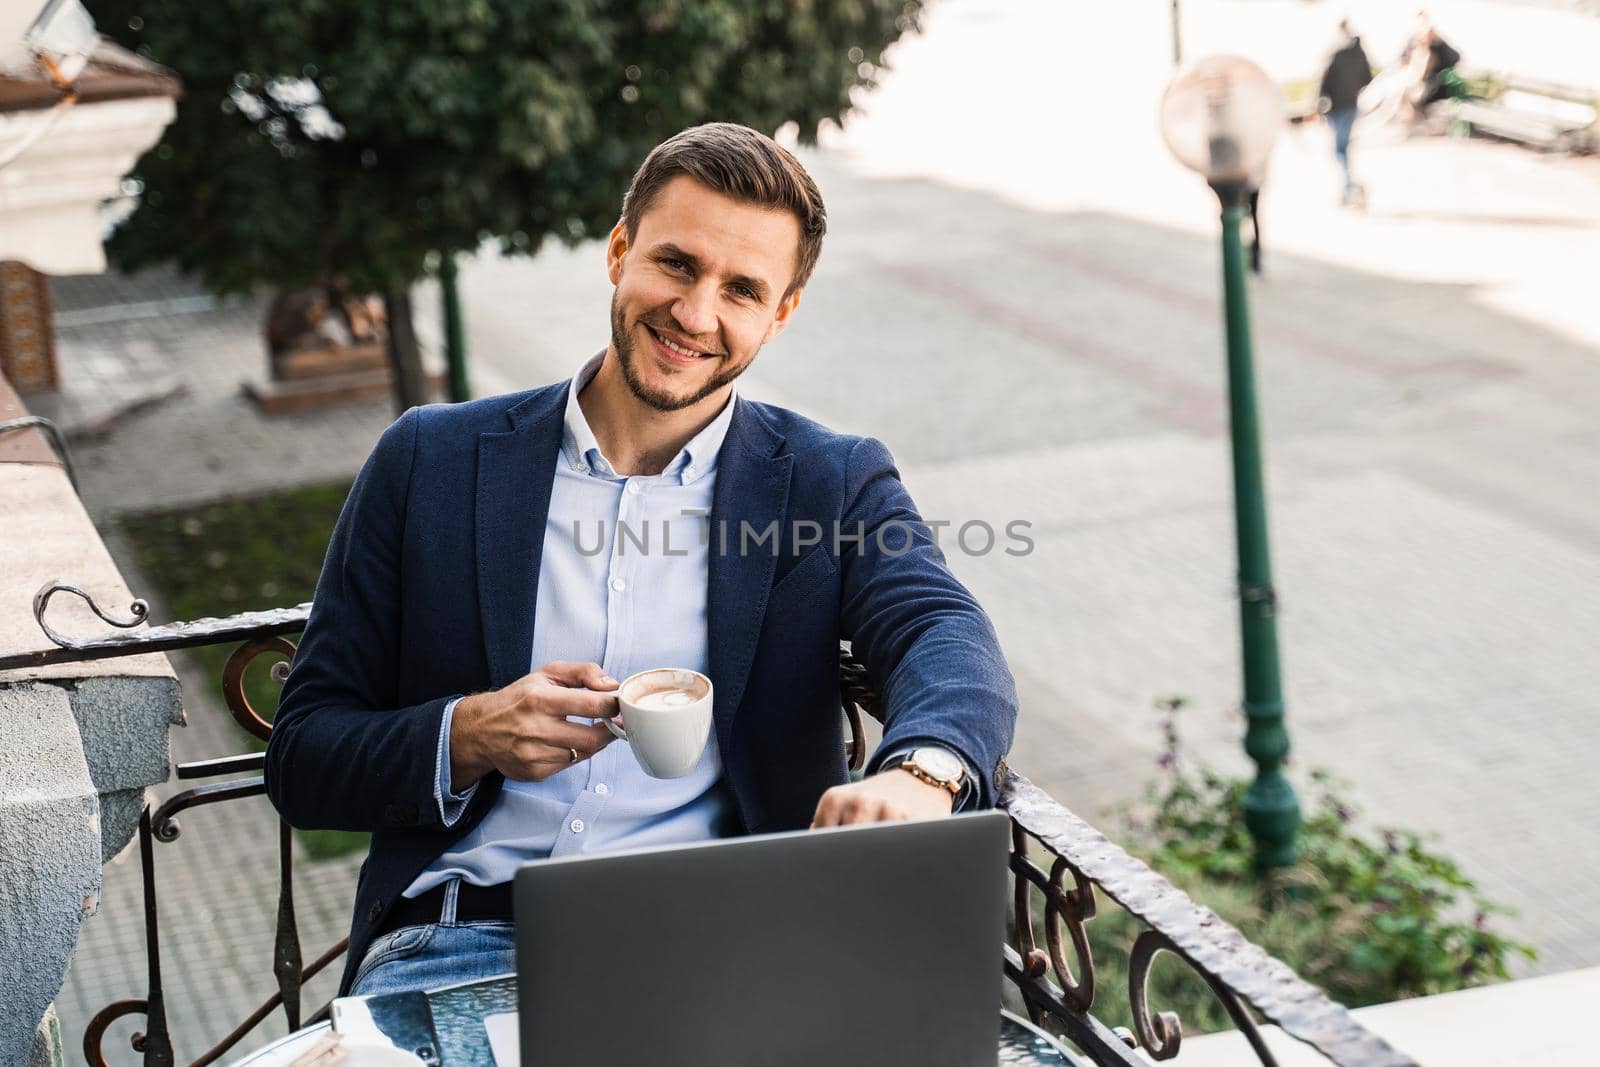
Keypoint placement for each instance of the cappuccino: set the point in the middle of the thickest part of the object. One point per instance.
(666, 718)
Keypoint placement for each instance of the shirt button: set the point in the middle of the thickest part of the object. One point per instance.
(689, 472)
(602, 789)
(577, 826)
(618, 584)
(635, 486)
(581, 468)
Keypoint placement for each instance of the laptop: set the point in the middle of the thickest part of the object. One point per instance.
(877, 944)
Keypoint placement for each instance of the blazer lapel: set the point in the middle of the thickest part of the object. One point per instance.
(752, 488)
(515, 472)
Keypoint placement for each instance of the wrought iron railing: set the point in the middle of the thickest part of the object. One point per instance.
(1057, 987)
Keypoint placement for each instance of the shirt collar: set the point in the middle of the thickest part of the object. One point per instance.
(581, 450)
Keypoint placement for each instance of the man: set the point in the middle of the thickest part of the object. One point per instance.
(1348, 72)
(485, 587)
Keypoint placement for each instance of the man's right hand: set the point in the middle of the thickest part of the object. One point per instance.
(523, 732)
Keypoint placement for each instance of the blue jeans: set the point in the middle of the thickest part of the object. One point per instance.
(1342, 122)
(435, 955)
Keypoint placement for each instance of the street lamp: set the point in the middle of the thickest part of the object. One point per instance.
(1220, 118)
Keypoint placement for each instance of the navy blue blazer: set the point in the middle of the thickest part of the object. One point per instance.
(428, 590)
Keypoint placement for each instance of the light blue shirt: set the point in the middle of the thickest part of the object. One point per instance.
(607, 595)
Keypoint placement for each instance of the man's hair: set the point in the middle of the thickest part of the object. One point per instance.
(737, 162)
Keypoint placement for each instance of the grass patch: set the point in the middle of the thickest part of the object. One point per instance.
(243, 554)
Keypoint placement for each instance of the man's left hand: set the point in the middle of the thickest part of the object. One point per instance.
(891, 796)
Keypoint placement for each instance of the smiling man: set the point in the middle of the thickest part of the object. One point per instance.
(467, 634)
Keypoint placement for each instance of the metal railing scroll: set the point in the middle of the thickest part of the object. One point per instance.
(1056, 981)
(260, 634)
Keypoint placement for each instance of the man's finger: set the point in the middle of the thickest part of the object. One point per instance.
(585, 738)
(578, 675)
(862, 811)
(579, 702)
(827, 813)
(537, 761)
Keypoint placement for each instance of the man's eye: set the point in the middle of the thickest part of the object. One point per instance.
(745, 292)
(675, 264)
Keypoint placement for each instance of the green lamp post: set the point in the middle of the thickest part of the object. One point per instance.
(1219, 118)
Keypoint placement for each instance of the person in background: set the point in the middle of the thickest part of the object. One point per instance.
(1348, 72)
(1437, 61)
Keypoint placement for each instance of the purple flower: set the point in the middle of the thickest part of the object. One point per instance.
(1344, 813)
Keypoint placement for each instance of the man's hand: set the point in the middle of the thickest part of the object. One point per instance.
(891, 796)
(522, 730)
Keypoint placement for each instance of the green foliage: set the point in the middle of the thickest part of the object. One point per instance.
(1370, 916)
(319, 140)
(242, 554)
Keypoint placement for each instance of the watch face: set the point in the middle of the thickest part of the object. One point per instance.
(938, 763)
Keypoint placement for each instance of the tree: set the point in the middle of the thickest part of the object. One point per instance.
(339, 141)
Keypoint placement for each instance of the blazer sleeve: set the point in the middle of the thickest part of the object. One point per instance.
(927, 645)
(343, 754)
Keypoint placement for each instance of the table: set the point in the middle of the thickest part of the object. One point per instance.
(446, 1027)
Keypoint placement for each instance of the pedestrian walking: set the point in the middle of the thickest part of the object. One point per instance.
(1255, 230)
(1437, 60)
(1348, 72)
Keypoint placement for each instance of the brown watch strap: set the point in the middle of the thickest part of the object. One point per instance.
(954, 787)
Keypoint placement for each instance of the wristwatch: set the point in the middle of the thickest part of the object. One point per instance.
(936, 766)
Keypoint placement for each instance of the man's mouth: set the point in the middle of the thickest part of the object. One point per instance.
(674, 351)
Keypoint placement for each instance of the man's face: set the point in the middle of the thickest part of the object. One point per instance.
(699, 289)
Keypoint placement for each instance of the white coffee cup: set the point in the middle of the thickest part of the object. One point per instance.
(668, 719)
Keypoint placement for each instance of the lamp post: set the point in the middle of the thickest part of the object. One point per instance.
(1219, 118)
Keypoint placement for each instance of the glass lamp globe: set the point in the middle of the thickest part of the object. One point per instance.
(1220, 117)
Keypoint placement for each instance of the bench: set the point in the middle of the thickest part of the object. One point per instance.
(1543, 115)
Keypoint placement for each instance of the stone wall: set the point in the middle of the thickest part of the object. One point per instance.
(79, 743)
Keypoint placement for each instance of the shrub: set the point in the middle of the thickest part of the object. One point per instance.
(1370, 915)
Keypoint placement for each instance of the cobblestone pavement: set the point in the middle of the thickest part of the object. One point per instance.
(1036, 336)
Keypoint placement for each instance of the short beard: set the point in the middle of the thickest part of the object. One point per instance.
(622, 341)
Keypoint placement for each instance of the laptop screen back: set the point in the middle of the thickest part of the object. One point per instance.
(871, 944)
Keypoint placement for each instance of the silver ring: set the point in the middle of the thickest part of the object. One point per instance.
(574, 755)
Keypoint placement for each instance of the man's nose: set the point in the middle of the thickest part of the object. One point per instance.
(695, 310)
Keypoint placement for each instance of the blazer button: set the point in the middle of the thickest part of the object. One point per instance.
(375, 911)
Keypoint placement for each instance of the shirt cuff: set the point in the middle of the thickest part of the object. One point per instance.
(965, 798)
(451, 805)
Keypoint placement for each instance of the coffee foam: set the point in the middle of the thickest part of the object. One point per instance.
(666, 688)
(664, 699)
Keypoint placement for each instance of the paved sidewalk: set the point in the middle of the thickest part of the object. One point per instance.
(206, 439)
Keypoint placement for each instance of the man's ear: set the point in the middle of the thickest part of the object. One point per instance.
(616, 248)
(786, 310)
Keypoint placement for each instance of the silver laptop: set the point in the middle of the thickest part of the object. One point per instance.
(874, 944)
